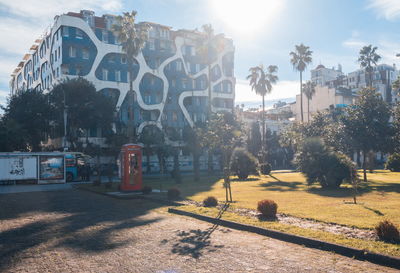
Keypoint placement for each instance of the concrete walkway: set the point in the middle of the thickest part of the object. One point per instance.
(6, 189)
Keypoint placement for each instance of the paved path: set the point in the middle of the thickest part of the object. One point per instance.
(5, 189)
(76, 231)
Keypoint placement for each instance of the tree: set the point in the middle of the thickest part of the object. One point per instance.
(301, 57)
(194, 144)
(243, 163)
(367, 58)
(26, 118)
(208, 50)
(261, 81)
(132, 38)
(367, 124)
(87, 109)
(396, 128)
(12, 136)
(309, 91)
(254, 139)
(320, 164)
(223, 132)
(151, 137)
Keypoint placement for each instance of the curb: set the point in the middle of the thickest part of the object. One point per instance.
(141, 196)
(358, 254)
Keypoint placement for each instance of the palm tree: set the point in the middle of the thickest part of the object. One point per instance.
(301, 57)
(207, 47)
(309, 91)
(132, 38)
(261, 81)
(368, 57)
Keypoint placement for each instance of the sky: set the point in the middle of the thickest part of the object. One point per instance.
(263, 31)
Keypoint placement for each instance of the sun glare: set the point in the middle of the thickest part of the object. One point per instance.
(246, 16)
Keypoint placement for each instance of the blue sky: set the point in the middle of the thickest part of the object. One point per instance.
(264, 31)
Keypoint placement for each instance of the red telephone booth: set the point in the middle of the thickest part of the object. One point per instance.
(131, 167)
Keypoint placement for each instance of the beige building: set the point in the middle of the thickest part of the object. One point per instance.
(323, 99)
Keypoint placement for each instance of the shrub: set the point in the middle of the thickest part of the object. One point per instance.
(320, 164)
(173, 193)
(210, 201)
(267, 208)
(387, 231)
(266, 168)
(147, 190)
(393, 162)
(243, 163)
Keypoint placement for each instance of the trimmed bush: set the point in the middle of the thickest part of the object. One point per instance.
(173, 193)
(243, 163)
(387, 231)
(320, 164)
(147, 190)
(393, 162)
(210, 201)
(267, 208)
(266, 168)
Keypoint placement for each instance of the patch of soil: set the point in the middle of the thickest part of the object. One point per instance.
(349, 232)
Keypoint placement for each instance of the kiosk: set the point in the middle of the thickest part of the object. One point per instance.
(131, 167)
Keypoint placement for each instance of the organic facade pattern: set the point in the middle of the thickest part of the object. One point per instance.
(160, 88)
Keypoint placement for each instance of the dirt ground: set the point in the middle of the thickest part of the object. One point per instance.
(77, 231)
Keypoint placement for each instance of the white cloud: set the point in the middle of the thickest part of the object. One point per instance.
(388, 9)
(282, 90)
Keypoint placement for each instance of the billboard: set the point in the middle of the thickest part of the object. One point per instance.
(18, 167)
(51, 167)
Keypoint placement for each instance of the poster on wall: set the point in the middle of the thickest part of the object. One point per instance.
(51, 168)
(18, 167)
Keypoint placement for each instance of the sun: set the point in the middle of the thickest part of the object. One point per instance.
(247, 16)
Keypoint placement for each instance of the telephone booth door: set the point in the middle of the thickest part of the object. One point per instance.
(131, 167)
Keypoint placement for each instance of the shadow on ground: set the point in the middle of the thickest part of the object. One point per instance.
(195, 241)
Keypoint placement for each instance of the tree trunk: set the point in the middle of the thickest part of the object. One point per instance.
(131, 103)
(301, 96)
(209, 90)
(196, 166)
(148, 169)
(263, 128)
(308, 110)
(210, 161)
(364, 165)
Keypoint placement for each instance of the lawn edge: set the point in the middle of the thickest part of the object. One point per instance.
(358, 254)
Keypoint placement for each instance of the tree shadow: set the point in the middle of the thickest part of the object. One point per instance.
(251, 179)
(194, 242)
(82, 221)
(281, 186)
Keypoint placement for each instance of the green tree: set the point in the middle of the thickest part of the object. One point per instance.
(12, 136)
(367, 124)
(261, 81)
(223, 132)
(194, 145)
(320, 164)
(396, 128)
(87, 109)
(28, 116)
(132, 38)
(367, 59)
(309, 91)
(301, 57)
(151, 137)
(254, 139)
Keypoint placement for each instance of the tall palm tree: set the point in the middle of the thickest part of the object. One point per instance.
(367, 58)
(301, 57)
(132, 38)
(261, 81)
(309, 91)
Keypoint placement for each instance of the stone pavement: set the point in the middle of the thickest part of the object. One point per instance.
(79, 231)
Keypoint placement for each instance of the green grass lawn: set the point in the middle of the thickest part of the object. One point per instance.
(378, 199)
